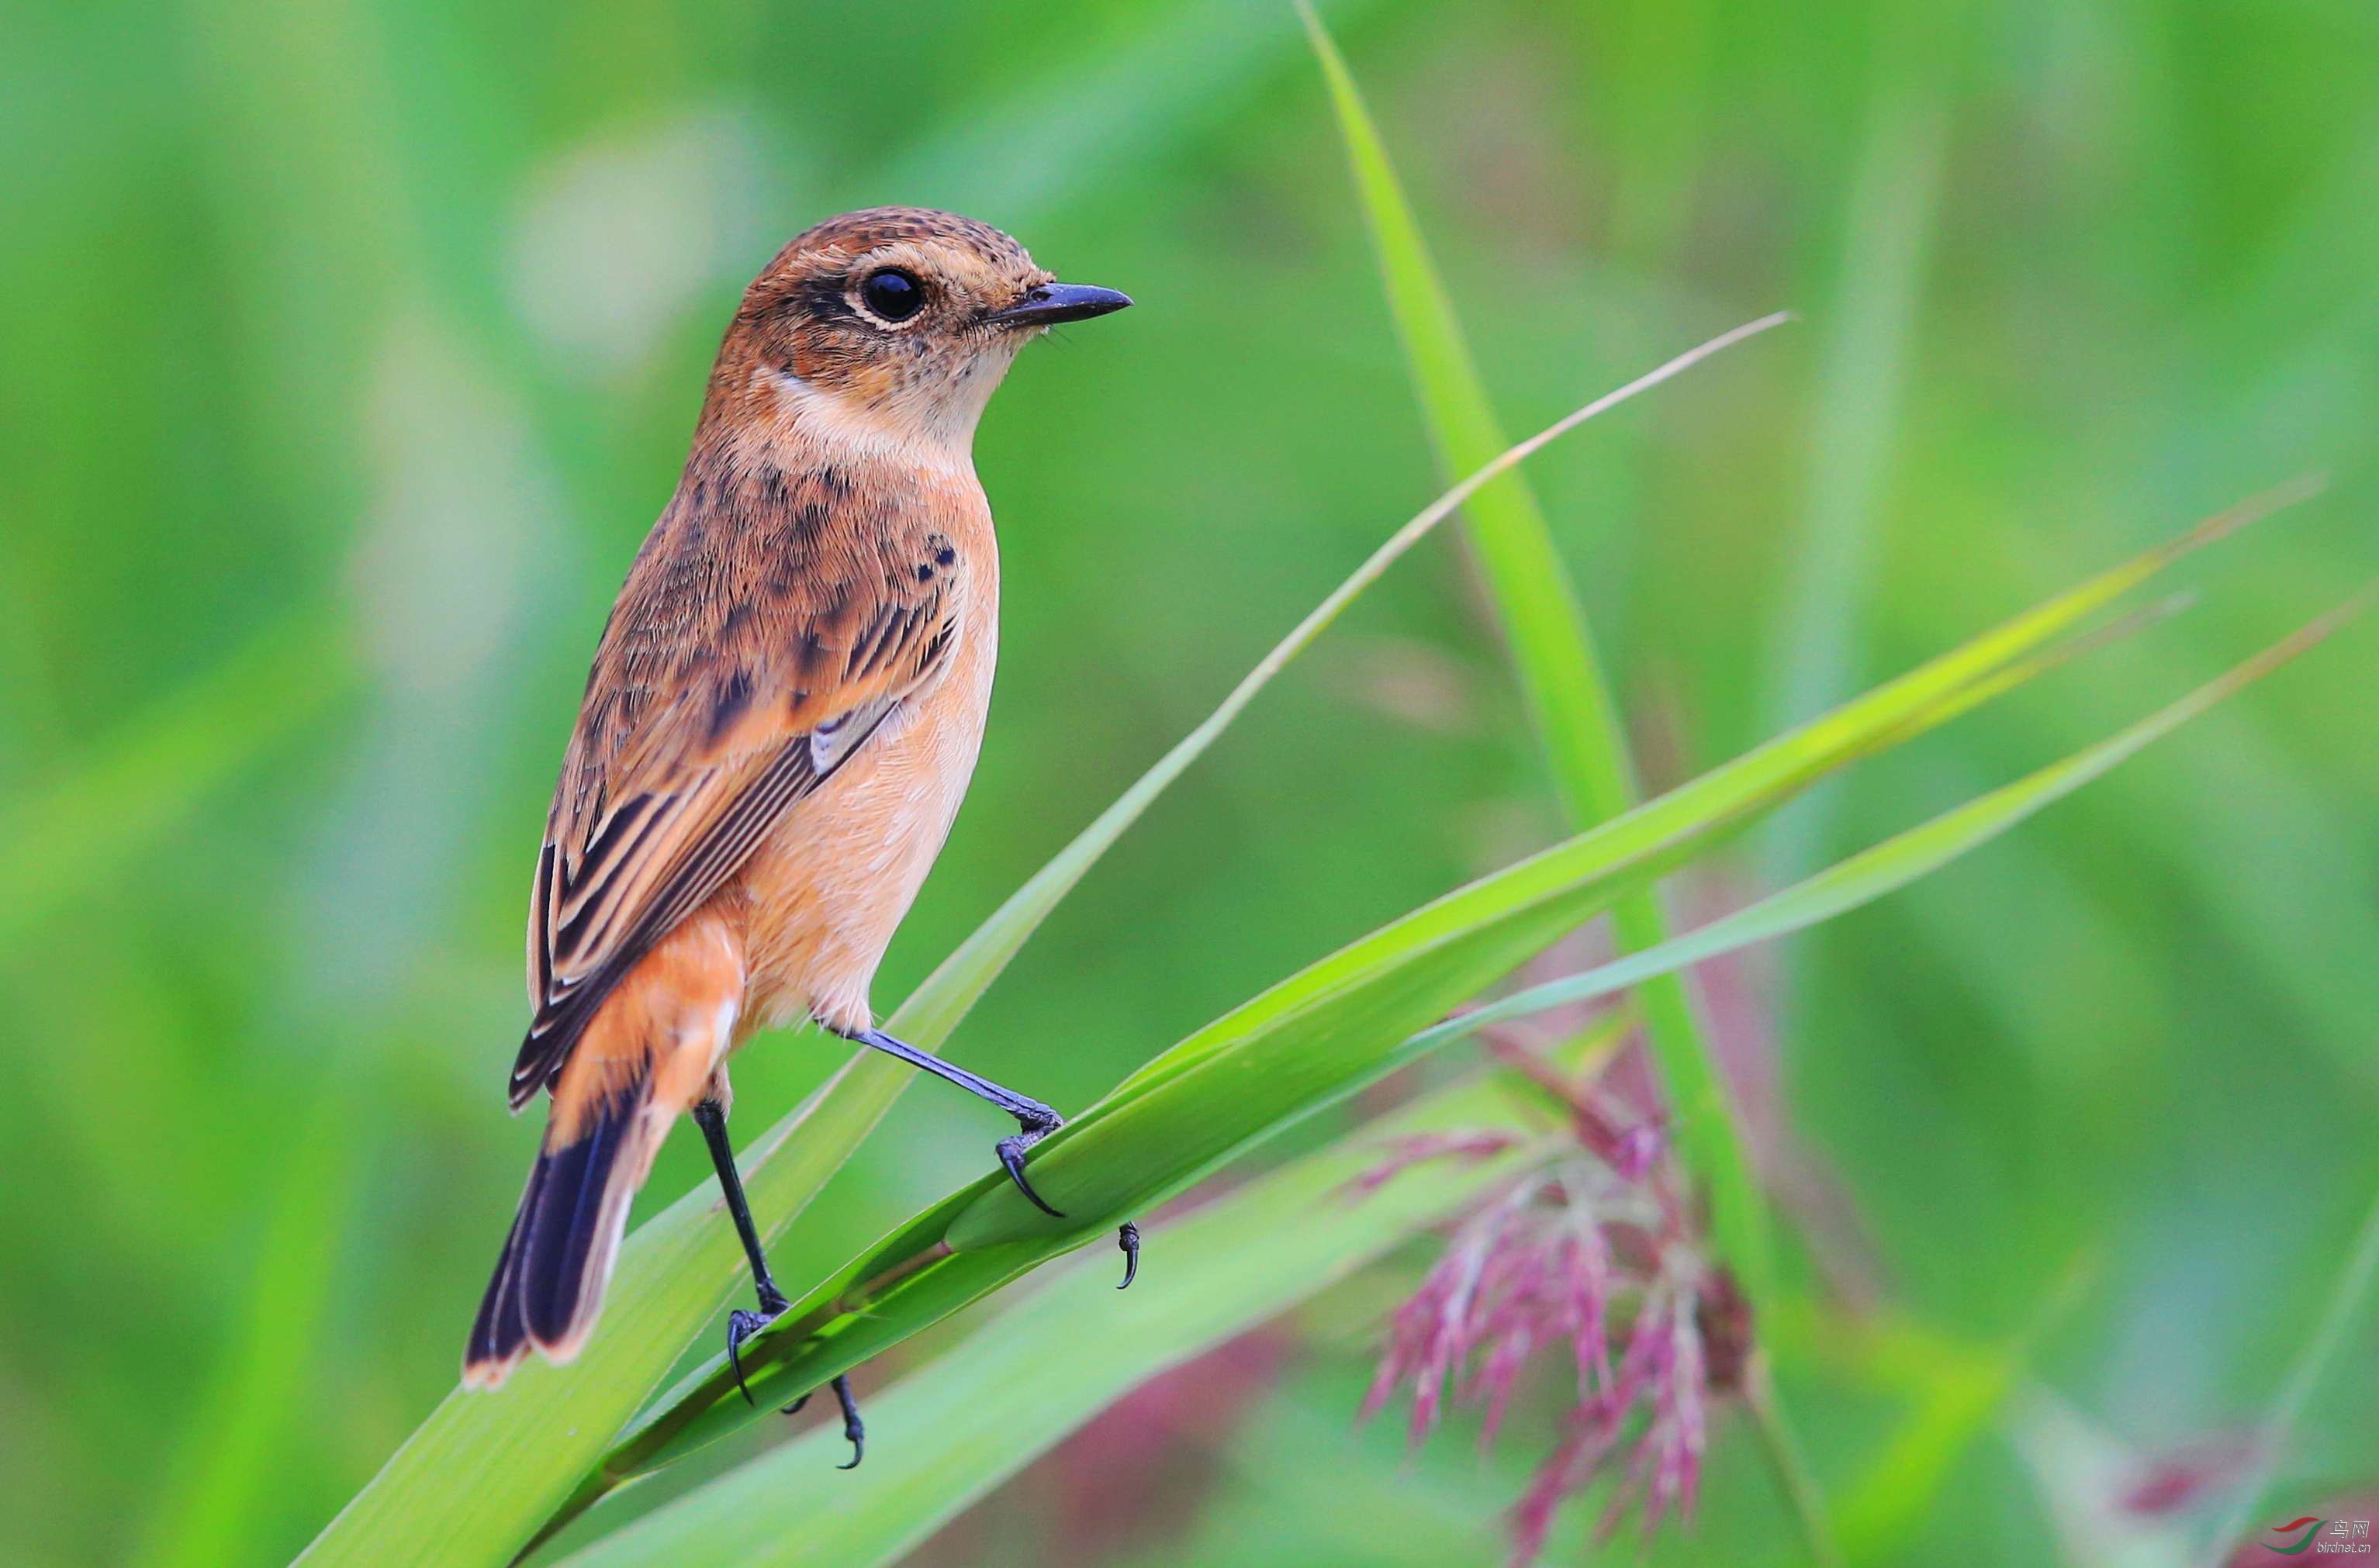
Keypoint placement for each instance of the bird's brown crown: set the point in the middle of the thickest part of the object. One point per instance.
(885, 320)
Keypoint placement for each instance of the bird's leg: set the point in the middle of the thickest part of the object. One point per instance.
(854, 1430)
(1035, 1122)
(711, 1117)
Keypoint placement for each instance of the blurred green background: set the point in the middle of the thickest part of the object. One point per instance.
(347, 348)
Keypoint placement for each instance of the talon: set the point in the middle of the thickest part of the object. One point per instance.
(1011, 1155)
(795, 1408)
(1128, 1237)
(741, 1326)
(854, 1430)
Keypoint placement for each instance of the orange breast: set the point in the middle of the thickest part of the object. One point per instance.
(822, 895)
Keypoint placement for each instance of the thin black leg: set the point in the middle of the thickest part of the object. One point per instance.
(711, 1117)
(1035, 1122)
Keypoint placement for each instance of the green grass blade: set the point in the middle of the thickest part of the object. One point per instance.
(1931, 694)
(1551, 641)
(472, 1482)
(1553, 651)
(1879, 291)
(951, 1432)
(997, 940)
(1903, 859)
(544, 1431)
(1348, 1020)
(2347, 1301)
(1960, 1390)
(260, 1388)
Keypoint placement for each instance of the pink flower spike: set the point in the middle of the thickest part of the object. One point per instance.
(1553, 1265)
(1496, 1379)
(1637, 1150)
(1404, 1153)
(1532, 1517)
(1590, 1288)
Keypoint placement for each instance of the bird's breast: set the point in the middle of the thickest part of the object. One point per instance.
(826, 891)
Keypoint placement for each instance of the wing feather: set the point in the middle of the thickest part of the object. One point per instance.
(724, 693)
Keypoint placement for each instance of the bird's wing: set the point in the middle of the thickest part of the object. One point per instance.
(722, 694)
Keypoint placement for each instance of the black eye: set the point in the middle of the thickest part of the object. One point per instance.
(892, 295)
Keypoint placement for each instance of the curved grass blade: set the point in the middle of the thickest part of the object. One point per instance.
(542, 1431)
(951, 1431)
(998, 938)
(1898, 861)
(1960, 1391)
(1342, 1023)
(1552, 652)
(2345, 1302)
(1226, 1102)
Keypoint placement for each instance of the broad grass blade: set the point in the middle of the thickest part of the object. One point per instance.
(948, 1433)
(1553, 651)
(1346, 1020)
(475, 1480)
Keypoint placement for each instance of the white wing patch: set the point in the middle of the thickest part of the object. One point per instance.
(831, 744)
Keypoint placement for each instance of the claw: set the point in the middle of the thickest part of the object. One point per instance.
(1128, 1237)
(1011, 1155)
(854, 1430)
(741, 1326)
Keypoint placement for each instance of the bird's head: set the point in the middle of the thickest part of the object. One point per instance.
(892, 326)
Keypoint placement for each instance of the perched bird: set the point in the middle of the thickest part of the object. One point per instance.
(782, 718)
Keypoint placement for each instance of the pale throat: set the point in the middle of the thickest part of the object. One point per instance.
(930, 426)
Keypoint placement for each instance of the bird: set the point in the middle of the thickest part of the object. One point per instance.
(782, 716)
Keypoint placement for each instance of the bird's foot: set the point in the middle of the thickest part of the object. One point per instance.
(743, 1325)
(1035, 1123)
(854, 1430)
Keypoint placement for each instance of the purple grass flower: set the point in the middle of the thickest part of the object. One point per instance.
(1404, 1153)
(1593, 1259)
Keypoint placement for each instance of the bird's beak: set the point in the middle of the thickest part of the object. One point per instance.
(1048, 303)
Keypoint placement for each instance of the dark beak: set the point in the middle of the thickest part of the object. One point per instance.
(1052, 303)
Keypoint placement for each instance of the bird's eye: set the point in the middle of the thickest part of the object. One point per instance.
(892, 295)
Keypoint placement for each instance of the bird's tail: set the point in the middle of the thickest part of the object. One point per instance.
(650, 1052)
(548, 1283)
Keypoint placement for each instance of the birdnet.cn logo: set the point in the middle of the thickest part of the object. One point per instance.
(2347, 1536)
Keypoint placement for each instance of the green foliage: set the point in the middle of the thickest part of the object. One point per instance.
(345, 353)
(959, 1428)
(1223, 1089)
(1327, 1032)
(1553, 652)
(1303, 1044)
(687, 1259)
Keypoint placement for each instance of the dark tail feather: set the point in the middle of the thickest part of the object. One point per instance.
(548, 1281)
